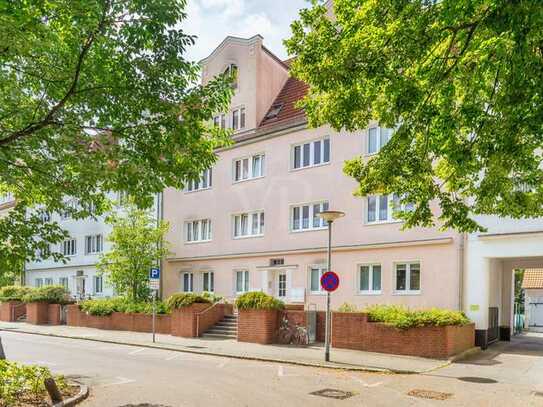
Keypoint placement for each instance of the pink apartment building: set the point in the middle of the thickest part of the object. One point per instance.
(251, 222)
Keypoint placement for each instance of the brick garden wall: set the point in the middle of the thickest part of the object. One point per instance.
(37, 313)
(258, 326)
(353, 331)
(210, 316)
(11, 308)
(184, 320)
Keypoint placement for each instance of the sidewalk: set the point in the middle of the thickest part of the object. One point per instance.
(307, 356)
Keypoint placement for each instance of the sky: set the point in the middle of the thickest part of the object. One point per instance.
(213, 20)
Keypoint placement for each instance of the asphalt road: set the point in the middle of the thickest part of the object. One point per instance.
(132, 376)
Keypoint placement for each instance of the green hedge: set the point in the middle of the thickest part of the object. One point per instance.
(103, 307)
(181, 300)
(403, 318)
(53, 294)
(258, 300)
(14, 293)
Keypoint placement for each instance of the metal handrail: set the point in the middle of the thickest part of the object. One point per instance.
(201, 313)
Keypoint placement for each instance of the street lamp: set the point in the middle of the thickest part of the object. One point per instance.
(330, 217)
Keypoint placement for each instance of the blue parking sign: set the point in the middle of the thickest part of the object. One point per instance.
(154, 273)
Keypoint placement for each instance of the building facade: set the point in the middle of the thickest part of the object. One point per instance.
(251, 222)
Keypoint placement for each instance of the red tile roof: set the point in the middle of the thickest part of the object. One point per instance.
(533, 278)
(293, 91)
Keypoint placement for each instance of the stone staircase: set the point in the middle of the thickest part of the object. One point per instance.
(227, 328)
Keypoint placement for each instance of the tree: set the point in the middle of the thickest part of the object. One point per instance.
(136, 246)
(460, 80)
(96, 96)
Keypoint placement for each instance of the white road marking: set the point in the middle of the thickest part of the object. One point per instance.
(173, 357)
(120, 381)
(366, 384)
(280, 371)
(136, 351)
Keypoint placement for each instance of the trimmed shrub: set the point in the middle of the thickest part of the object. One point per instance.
(181, 300)
(14, 292)
(404, 318)
(103, 307)
(258, 300)
(346, 307)
(53, 294)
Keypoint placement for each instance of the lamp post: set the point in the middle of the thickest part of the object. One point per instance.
(330, 217)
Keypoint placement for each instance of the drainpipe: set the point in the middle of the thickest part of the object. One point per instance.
(461, 255)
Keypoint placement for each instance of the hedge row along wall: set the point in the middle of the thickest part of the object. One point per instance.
(11, 311)
(188, 322)
(353, 331)
(43, 313)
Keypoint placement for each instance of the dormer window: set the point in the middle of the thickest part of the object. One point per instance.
(274, 111)
(232, 71)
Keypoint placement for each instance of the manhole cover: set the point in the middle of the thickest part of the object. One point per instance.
(484, 380)
(429, 394)
(195, 347)
(333, 394)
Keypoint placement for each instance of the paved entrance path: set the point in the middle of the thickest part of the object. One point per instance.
(310, 356)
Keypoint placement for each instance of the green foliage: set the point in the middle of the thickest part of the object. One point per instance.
(97, 96)
(136, 246)
(404, 318)
(14, 293)
(346, 307)
(460, 79)
(102, 307)
(180, 300)
(52, 294)
(23, 383)
(258, 300)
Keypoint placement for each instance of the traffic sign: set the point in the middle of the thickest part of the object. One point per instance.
(154, 273)
(330, 281)
(154, 284)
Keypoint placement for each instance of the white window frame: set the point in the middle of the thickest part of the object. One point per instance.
(382, 133)
(64, 282)
(38, 282)
(237, 220)
(407, 290)
(241, 113)
(195, 186)
(94, 244)
(393, 204)
(190, 281)
(370, 290)
(65, 214)
(282, 285)
(48, 281)
(324, 205)
(95, 285)
(208, 277)
(238, 162)
(73, 244)
(245, 281)
(312, 144)
(220, 120)
(189, 231)
(322, 268)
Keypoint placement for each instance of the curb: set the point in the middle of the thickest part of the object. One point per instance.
(79, 397)
(370, 369)
(466, 354)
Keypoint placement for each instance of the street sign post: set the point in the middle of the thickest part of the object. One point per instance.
(329, 281)
(154, 286)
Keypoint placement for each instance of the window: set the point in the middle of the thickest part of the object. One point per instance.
(98, 285)
(198, 230)
(242, 281)
(122, 198)
(63, 281)
(232, 71)
(282, 285)
(44, 252)
(306, 216)
(238, 118)
(48, 281)
(220, 121)
(249, 224)
(69, 247)
(377, 138)
(274, 111)
(370, 279)
(209, 281)
(380, 208)
(69, 207)
(407, 278)
(205, 182)
(315, 274)
(188, 279)
(45, 216)
(312, 153)
(94, 244)
(38, 282)
(249, 167)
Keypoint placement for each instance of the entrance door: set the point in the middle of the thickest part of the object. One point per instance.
(493, 324)
(282, 284)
